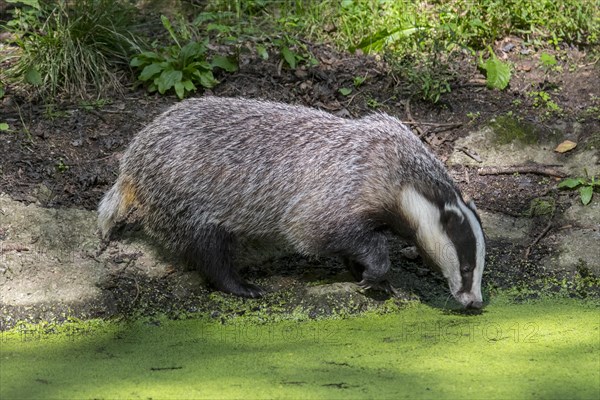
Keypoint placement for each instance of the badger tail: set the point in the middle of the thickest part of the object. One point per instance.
(115, 206)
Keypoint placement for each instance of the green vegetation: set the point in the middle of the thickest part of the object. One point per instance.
(538, 349)
(541, 206)
(509, 128)
(497, 72)
(420, 39)
(541, 98)
(179, 67)
(95, 41)
(71, 49)
(585, 185)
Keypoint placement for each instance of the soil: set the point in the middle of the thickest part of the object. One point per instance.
(67, 156)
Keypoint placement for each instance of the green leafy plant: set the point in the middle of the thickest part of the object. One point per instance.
(497, 72)
(585, 185)
(180, 68)
(61, 166)
(345, 91)
(473, 115)
(293, 52)
(548, 61)
(373, 103)
(543, 98)
(358, 81)
(71, 49)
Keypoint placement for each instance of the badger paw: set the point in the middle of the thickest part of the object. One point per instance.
(382, 286)
(246, 289)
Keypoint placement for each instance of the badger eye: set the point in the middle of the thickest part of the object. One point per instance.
(465, 268)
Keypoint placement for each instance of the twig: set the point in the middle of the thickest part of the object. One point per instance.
(539, 237)
(470, 153)
(522, 169)
(13, 247)
(450, 125)
(411, 120)
(137, 289)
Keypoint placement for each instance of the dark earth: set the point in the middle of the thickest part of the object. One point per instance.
(67, 156)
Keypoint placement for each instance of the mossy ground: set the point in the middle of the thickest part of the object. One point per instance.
(546, 348)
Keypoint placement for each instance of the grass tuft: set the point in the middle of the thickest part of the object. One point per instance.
(70, 49)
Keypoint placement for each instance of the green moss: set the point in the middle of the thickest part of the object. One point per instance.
(541, 206)
(538, 349)
(509, 129)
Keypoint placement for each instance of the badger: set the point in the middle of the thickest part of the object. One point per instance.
(212, 172)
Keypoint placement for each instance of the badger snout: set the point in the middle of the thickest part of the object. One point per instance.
(475, 305)
(469, 300)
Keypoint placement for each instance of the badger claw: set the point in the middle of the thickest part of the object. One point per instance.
(382, 286)
(246, 289)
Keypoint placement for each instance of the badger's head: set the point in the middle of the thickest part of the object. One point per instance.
(449, 237)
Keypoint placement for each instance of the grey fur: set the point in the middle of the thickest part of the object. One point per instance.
(212, 171)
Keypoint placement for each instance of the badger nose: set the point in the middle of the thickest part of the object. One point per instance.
(475, 305)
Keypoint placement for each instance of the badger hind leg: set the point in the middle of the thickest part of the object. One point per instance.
(212, 254)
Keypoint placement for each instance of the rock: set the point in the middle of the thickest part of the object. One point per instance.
(507, 143)
(504, 227)
(579, 244)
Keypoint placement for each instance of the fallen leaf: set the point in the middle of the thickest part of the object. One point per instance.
(565, 146)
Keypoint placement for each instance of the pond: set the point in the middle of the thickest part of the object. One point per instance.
(547, 348)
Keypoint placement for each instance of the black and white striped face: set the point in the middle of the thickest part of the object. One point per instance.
(463, 227)
(452, 240)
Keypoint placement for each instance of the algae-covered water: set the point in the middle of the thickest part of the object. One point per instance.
(543, 349)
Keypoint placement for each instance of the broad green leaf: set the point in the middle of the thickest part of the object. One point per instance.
(179, 90)
(189, 85)
(345, 91)
(4, 126)
(289, 57)
(167, 80)
(198, 65)
(497, 73)
(379, 40)
(144, 58)
(137, 62)
(192, 50)
(586, 194)
(226, 63)
(150, 71)
(206, 79)
(570, 183)
(33, 77)
(1, 92)
(262, 52)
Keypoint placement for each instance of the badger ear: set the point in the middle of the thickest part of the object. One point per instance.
(451, 216)
(471, 205)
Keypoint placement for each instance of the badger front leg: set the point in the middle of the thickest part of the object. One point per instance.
(368, 260)
(212, 254)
